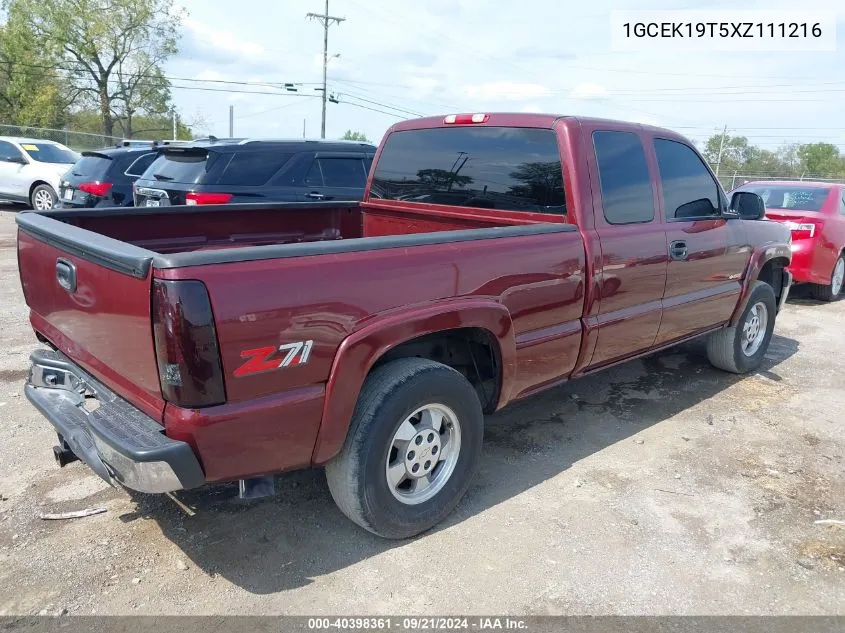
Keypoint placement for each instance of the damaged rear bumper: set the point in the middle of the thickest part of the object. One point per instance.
(117, 441)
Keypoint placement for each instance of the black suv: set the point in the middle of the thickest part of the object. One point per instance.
(103, 178)
(245, 170)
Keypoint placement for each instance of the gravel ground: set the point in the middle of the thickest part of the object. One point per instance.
(660, 487)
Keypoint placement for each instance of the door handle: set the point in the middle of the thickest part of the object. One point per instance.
(315, 196)
(678, 250)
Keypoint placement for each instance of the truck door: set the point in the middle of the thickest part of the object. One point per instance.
(632, 235)
(706, 251)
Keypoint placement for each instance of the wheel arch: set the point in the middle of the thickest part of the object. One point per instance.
(447, 326)
(37, 183)
(766, 264)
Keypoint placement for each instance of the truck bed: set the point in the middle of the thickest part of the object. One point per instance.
(204, 228)
(288, 273)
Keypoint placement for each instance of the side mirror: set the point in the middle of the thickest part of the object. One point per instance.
(19, 160)
(748, 205)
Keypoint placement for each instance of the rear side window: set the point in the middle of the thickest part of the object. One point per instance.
(516, 169)
(140, 164)
(689, 190)
(343, 172)
(91, 166)
(623, 171)
(182, 167)
(252, 169)
(337, 172)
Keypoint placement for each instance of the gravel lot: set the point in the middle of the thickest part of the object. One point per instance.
(660, 487)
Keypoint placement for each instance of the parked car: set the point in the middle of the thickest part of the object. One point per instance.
(232, 342)
(249, 170)
(104, 178)
(815, 213)
(31, 170)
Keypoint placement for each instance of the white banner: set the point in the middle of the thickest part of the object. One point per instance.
(717, 30)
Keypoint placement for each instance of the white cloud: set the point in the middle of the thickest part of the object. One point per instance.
(223, 40)
(588, 90)
(422, 87)
(506, 91)
(531, 107)
(209, 75)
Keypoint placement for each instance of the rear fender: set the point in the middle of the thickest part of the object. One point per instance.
(759, 258)
(363, 348)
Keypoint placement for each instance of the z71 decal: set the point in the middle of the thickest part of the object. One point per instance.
(263, 359)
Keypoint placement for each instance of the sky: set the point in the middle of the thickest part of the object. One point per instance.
(398, 59)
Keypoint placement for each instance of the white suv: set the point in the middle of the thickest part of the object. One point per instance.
(31, 169)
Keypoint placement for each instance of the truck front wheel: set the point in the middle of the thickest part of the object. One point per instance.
(412, 447)
(740, 349)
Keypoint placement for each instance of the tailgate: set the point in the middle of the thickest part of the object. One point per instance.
(89, 295)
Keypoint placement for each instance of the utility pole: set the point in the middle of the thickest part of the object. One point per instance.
(303, 129)
(326, 20)
(231, 121)
(721, 147)
(174, 123)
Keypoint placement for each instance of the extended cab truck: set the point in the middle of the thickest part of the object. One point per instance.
(493, 256)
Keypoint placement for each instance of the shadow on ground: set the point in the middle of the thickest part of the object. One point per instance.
(800, 295)
(283, 542)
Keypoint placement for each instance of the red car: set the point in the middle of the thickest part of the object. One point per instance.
(815, 212)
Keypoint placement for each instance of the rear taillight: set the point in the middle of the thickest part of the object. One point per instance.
(194, 198)
(96, 188)
(466, 119)
(803, 230)
(186, 346)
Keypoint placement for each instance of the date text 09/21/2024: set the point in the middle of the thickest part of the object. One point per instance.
(418, 623)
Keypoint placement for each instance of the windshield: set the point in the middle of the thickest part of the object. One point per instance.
(790, 197)
(50, 153)
(93, 166)
(182, 167)
(517, 169)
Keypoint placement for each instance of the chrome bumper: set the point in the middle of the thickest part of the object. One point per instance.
(118, 442)
(786, 286)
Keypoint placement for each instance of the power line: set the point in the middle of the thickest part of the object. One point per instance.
(384, 105)
(363, 107)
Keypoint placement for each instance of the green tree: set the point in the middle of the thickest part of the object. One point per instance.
(821, 160)
(112, 51)
(735, 152)
(349, 135)
(30, 88)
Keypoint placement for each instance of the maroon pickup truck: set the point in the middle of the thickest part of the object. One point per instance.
(493, 256)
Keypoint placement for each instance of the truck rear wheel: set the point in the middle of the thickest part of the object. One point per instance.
(412, 447)
(831, 291)
(740, 349)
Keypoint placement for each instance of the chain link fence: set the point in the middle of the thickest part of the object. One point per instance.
(79, 141)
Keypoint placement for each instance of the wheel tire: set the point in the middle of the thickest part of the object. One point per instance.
(829, 292)
(357, 475)
(724, 348)
(39, 198)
